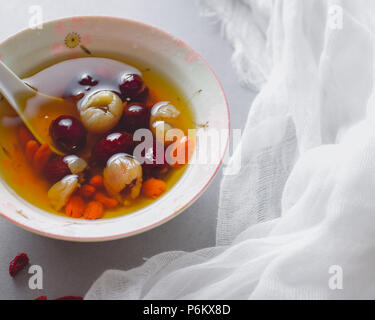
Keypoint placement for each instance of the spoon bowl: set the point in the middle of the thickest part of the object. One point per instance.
(22, 98)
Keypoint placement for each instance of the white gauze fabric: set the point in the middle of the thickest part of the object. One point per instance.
(304, 199)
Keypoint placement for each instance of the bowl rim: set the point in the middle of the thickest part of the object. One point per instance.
(176, 212)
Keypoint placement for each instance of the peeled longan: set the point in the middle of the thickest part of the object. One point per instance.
(164, 117)
(101, 111)
(61, 191)
(165, 111)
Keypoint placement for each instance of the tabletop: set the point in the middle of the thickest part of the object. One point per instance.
(70, 268)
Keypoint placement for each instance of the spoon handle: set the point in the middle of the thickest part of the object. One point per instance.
(13, 88)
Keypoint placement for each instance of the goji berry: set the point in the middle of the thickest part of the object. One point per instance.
(19, 262)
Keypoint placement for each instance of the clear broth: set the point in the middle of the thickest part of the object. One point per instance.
(14, 167)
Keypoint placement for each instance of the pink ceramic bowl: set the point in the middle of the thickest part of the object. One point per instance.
(31, 49)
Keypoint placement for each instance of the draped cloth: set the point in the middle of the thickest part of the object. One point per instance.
(298, 220)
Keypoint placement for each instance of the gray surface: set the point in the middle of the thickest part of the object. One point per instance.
(70, 268)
